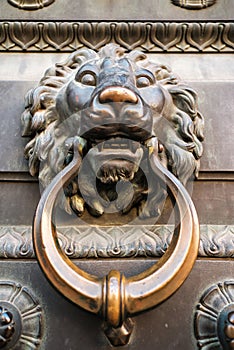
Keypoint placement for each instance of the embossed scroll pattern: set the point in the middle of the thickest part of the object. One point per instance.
(150, 37)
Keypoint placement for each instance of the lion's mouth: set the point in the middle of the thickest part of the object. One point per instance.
(115, 159)
(119, 144)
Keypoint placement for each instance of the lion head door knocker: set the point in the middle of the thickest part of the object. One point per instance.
(117, 132)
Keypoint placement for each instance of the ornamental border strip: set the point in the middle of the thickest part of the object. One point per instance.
(217, 241)
(151, 37)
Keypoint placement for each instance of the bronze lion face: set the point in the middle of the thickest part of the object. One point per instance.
(115, 102)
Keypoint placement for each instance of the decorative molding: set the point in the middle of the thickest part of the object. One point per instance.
(214, 317)
(20, 317)
(217, 241)
(193, 4)
(16, 242)
(146, 36)
(30, 4)
(116, 241)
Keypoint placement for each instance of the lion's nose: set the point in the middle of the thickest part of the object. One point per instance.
(117, 94)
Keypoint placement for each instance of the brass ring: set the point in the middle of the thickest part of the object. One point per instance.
(115, 296)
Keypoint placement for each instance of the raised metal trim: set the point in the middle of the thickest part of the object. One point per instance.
(30, 4)
(193, 4)
(152, 37)
(217, 241)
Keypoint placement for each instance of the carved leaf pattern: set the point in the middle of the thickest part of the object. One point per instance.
(149, 36)
(214, 242)
(94, 35)
(58, 35)
(16, 242)
(166, 35)
(108, 242)
(228, 34)
(202, 35)
(2, 33)
(118, 242)
(24, 34)
(130, 35)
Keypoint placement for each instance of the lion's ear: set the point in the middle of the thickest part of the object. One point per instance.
(77, 58)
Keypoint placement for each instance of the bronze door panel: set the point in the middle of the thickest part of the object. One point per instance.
(193, 37)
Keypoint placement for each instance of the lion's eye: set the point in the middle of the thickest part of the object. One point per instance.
(143, 81)
(88, 78)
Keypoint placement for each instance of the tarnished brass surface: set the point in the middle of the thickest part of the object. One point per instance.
(31, 42)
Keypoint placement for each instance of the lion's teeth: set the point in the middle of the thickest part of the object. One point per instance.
(116, 143)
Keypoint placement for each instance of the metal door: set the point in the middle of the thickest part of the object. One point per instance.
(195, 38)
